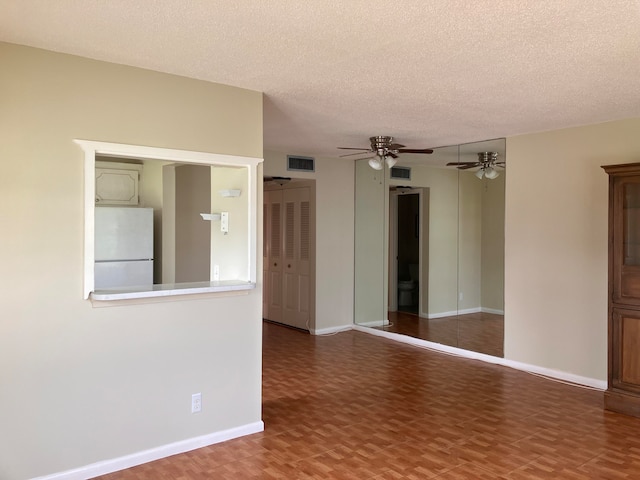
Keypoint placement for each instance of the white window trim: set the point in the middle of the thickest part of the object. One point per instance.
(93, 148)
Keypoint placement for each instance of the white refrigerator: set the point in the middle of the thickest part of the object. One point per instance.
(123, 247)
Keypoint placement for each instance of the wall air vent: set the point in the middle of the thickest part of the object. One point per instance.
(301, 164)
(401, 172)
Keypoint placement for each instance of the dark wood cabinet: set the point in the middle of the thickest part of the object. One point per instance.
(623, 392)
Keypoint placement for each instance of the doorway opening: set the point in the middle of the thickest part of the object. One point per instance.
(408, 232)
(408, 218)
(289, 242)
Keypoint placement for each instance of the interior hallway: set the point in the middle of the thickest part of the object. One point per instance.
(358, 406)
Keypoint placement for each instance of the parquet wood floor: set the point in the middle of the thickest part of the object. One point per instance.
(477, 332)
(357, 406)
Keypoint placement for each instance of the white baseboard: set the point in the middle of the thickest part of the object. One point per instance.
(331, 330)
(399, 337)
(492, 310)
(546, 372)
(138, 458)
(557, 374)
(465, 311)
(452, 313)
(375, 323)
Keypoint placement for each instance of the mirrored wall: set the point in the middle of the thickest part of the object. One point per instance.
(429, 246)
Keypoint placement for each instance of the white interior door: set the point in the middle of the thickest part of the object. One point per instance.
(273, 263)
(266, 218)
(296, 249)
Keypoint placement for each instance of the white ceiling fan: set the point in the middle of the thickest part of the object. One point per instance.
(487, 161)
(384, 151)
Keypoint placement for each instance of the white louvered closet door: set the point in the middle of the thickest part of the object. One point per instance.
(295, 286)
(272, 266)
(287, 262)
(296, 257)
(265, 254)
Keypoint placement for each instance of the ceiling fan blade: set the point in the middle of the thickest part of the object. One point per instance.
(352, 154)
(353, 148)
(467, 167)
(455, 164)
(357, 153)
(395, 146)
(392, 155)
(415, 150)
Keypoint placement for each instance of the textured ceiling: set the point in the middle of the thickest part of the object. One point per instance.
(335, 72)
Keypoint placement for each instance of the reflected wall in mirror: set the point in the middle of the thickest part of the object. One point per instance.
(480, 319)
(445, 258)
(162, 222)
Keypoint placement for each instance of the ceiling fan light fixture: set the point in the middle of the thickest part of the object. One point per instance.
(491, 173)
(480, 173)
(375, 163)
(390, 161)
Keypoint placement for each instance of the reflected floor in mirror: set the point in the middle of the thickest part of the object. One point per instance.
(477, 332)
(355, 406)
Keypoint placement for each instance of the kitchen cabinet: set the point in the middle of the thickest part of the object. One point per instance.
(117, 184)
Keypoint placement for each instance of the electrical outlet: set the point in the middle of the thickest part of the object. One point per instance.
(196, 403)
(460, 296)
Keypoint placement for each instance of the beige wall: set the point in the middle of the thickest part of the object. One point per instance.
(151, 196)
(83, 384)
(334, 238)
(230, 251)
(493, 243)
(470, 228)
(192, 233)
(168, 225)
(556, 244)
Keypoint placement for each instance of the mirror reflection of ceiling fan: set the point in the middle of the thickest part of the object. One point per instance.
(487, 161)
(384, 151)
(279, 180)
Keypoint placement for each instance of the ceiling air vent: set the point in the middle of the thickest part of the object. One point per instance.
(401, 172)
(301, 164)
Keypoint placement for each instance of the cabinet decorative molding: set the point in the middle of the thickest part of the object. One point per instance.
(117, 183)
(623, 392)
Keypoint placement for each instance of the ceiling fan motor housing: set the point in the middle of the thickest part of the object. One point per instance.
(487, 157)
(380, 142)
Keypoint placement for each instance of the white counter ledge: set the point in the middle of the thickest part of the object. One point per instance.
(170, 289)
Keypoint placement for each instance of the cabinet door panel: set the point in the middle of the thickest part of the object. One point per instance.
(626, 356)
(116, 187)
(629, 352)
(629, 285)
(626, 240)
